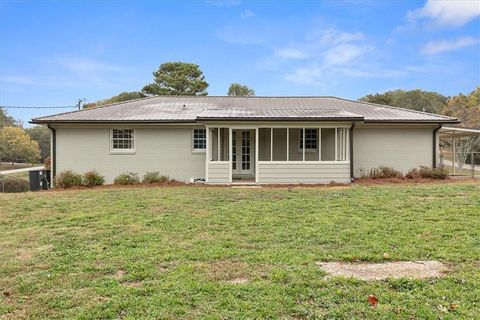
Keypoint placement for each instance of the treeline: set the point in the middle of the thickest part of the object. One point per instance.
(465, 107)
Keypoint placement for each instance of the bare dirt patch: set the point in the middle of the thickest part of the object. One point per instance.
(238, 280)
(379, 271)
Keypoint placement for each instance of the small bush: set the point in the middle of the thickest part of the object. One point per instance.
(67, 179)
(127, 178)
(413, 174)
(13, 184)
(385, 173)
(93, 178)
(427, 173)
(154, 177)
(433, 173)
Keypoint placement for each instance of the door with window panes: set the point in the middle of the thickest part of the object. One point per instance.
(242, 152)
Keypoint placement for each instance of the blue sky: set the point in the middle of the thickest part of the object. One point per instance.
(53, 53)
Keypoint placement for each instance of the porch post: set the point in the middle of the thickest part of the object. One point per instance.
(453, 155)
(207, 153)
(218, 144)
(271, 144)
(319, 145)
(256, 155)
(336, 151)
(288, 144)
(230, 156)
(303, 144)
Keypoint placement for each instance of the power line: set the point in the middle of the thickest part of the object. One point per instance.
(31, 107)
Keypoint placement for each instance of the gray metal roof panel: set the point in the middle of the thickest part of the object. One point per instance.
(191, 108)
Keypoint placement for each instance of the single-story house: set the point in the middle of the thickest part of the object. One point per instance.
(260, 140)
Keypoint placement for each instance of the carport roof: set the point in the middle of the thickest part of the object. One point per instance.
(200, 108)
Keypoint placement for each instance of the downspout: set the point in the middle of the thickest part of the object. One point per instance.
(53, 155)
(434, 158)
(351, 150)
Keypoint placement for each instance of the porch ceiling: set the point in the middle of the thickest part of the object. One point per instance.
(451, 132)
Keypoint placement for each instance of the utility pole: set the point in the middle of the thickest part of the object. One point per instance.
(80, 102)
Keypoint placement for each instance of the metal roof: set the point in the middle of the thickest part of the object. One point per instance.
(200, 108)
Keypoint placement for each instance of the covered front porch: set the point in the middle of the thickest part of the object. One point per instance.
(280, 153)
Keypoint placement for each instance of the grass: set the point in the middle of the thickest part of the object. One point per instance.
(220, 253)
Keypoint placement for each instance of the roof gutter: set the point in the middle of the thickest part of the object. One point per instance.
(434, 139)
(350, 139)
(53, 156)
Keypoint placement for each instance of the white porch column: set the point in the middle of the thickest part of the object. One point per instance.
(303, 144)
(288, 144)
(207, 153)
(453, 155)
(230, 156)
(256, 155)
(319, 144)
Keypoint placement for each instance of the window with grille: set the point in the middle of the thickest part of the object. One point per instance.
(310, 139)
(123, 140)
(199, 139)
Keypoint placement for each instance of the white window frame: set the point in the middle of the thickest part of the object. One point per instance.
(301, 141)
(122, 151)
(196, 150)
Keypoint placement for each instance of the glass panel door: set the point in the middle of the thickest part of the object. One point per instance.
(246, 152)
(234, 151)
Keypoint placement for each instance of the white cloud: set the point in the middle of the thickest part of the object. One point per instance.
(86, 65)
(223, 3)
(247, 14)
(344, 54)
(324, 53)
(334, 36)
(453, 13)
(435, 47)
(289, 53)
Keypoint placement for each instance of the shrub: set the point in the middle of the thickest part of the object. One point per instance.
(433, 173)
(154, 177)
(127, 178)
(47, 163)
(13, 184)
(413, 174)
(385, 173)
(67, 179)
(93, 178)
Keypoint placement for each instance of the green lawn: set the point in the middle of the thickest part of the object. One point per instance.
(171, 252)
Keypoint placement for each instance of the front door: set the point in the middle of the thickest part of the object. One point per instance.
(242, 142)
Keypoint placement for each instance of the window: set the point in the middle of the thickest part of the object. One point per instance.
(310, 139)
(123, 140)
(199, 139)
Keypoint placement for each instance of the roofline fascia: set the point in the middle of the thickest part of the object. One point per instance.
(109, 121)
(280, 119)
(413, 121)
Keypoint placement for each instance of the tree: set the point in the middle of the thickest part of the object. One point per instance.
(177, 78)
(15, 144)
(419, 100)
(236, 89)
(6, 120)
(124, 96)
(41, 134)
